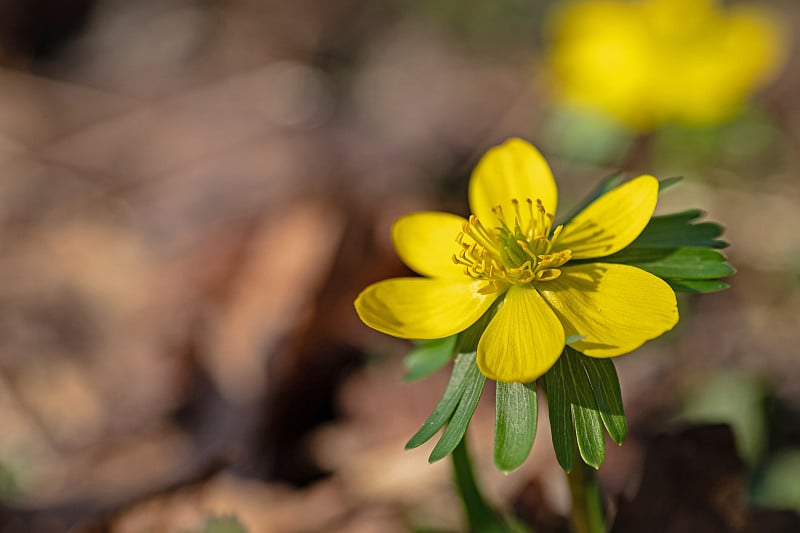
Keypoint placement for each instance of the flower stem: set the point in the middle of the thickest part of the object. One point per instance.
(480, 516)
(587, 501)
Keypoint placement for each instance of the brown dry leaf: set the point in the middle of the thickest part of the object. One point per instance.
(287, 259)
(260, 507)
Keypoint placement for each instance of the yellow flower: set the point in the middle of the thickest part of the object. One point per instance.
(508, 251)
(651, 62)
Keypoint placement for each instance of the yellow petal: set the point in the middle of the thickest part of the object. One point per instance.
(426, 242)
(422, 308)
(523, 340)
(515, 169)
(615, 308)
(611, 222)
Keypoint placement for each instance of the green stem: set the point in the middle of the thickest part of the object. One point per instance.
(587, 501)
(480, 517)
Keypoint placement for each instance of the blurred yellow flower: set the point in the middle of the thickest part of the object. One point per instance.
(509, 251)
(651, 62)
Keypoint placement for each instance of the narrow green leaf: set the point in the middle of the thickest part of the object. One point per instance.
(668, 183)
(588, 425)
(458, 423)
(468, 339)
(558, 407)
(678, 230)
(606, 185)
(429, 356)
(223, 524)
(698, 286)
(515, 424)
(605, 384)
(448, 403)
(679, 263)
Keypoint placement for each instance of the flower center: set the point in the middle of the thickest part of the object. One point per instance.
(511, 253)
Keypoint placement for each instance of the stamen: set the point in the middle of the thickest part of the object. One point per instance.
(548, 275)
(531, 226)
(556, 233)
(504, 256)
(517, 214)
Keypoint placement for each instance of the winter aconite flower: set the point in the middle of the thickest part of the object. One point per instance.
(650, 62)
(550, 283)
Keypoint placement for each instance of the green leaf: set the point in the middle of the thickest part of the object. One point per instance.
(736, 398)
(223, 524)
(678, 250)
(515, 424)
(457, 425)
(776, 485)
(606, 185)
(676, 263)
(429, 356)
(605, 384)
(588, 425)
(9, 485)
(583, 396)
(698, 286)
(558, 406)
(448, 403)
(468, 339)
(668, 183)
(678, 230)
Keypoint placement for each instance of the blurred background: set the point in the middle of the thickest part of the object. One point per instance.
(192, 193)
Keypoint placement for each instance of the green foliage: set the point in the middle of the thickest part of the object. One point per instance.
(9, 487)
(585, 414)
(222, 524)
(516, 414)
(677, 248)
(675, 263)
(559, 408)
(468, 339)
(608, 183)
(735, 398)
(448, 402)
(776, 486)
(584, 397)
(680, 230)
(458, 424)
(668, 183)
(681, 251)
(454, 409)
(605, 384)
(693, 285)
(429, 356)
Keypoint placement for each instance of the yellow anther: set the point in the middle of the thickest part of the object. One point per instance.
(514, 251)
(548, 274)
